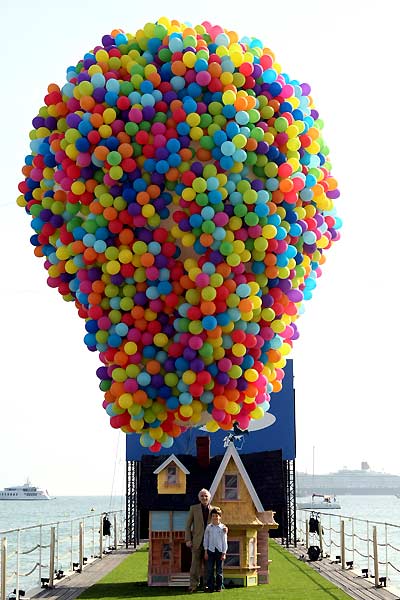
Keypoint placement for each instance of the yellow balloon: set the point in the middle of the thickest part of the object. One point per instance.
(136, 424)
(186, 410)
(232, 408)
(125, 400)
(257, 413)
(156, 433)
(212, 426)
(195, 418)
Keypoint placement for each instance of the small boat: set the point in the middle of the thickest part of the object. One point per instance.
(320, 502)
(24, 492)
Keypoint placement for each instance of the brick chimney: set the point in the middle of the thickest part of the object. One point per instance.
(203, 451)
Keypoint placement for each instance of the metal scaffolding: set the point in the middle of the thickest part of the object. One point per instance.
(131, 503)
(290, 493)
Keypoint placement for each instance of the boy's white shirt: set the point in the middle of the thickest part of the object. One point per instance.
(211, 538)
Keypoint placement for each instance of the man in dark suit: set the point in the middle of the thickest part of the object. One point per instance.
(198, 518)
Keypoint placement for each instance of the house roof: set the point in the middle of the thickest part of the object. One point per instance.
(246, 522)
(232, 453)
(169, 460)
(265, 470)
(267, 518)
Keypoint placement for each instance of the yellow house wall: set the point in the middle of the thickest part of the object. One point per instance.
(239, 515)
(251, 533)
(164, 488)
(235, 511)
(243, 535)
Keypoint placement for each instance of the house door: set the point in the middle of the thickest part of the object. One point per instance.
(186, 558)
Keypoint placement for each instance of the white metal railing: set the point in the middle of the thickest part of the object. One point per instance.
(370, 547)
(37, 555)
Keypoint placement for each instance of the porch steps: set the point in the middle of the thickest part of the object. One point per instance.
(179, 580)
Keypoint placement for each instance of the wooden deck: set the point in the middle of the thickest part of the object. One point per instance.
(351, 582)
(73, 585)
(356, 586)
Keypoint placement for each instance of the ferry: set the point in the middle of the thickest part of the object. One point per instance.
(24, 492)
(362, 481)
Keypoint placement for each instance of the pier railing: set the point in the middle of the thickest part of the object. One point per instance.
(38, 555)
(372, 548)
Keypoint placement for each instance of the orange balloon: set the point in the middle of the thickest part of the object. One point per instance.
(220, 402)
(140, 397)
(120, 358)
(207, 308)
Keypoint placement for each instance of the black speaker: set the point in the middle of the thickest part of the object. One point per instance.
(314, 552)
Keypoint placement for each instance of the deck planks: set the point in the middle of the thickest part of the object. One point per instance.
(71, 586)
(356, 586)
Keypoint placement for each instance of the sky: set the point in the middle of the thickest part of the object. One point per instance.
(52, 426)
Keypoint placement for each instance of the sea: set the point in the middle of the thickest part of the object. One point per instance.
(21, 513)
(384, 509)
(355, 511)
(64, 514)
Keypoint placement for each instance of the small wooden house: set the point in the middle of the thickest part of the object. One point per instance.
(173, 481)
(248, 522)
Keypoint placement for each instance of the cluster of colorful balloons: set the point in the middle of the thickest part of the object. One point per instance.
(181, 195)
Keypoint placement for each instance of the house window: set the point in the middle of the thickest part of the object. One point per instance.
(160, 520)
(179, 518)
(231, 488)
(252, 552)
(172, 476)
(233, 554)
(166, 552)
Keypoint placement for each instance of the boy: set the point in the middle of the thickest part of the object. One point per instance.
(215, 547)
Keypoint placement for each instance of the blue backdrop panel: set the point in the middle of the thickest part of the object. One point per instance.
(278, 431)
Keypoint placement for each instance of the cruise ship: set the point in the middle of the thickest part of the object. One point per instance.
(24, 492)
(362, 481)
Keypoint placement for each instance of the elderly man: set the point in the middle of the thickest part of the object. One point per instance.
(199, 516)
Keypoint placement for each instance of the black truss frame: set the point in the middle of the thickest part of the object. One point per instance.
(290, 512)
(132, 531)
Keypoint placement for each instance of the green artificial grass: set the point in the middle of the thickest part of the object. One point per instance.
(290, 579)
